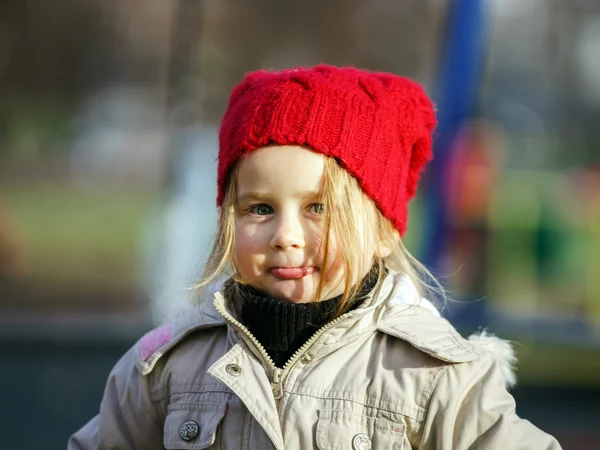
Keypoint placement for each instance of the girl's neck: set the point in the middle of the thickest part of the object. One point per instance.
(283, 327)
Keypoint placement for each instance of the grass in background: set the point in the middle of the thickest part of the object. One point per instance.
(80, 237)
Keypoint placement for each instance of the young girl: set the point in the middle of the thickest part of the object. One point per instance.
(319, 336)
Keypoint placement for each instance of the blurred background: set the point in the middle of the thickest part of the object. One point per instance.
(108, 124)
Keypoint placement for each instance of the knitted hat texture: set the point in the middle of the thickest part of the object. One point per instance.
(378, 126)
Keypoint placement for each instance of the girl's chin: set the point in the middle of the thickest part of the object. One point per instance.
(292, 297)
(302, 290)
(298, 293)
(292, 291)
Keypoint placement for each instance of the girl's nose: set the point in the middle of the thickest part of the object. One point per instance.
(289, 233)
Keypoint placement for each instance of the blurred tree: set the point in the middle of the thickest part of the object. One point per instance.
(45, 57)
(238, 37)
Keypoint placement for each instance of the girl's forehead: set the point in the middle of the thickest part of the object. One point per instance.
(283, 155)
(281, 169)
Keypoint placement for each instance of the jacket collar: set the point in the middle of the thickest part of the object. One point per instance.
(395, 309)
(417, 321)
(414, 319)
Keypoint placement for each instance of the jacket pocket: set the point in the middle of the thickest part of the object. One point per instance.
(192, 426)
(338, 430)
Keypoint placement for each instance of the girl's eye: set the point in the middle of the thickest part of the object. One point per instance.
(317, 208)
(261, 209)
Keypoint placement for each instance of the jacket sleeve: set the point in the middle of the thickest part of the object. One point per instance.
(471, 409)
(128, 418)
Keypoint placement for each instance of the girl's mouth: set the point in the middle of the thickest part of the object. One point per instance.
(292, 273)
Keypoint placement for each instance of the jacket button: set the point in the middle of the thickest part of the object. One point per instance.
(361, 442)
(233, 369)
(189, 430)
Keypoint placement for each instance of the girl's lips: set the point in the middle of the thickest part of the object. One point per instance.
(292, 273)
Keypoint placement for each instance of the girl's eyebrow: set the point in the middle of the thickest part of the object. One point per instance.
(252, 196)
(266, 196)
(307, 194)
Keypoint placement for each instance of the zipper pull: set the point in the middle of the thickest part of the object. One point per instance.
(276, 386)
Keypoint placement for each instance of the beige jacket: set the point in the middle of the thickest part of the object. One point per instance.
(392, 374)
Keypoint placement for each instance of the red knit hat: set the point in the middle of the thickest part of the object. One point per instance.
(376, 125)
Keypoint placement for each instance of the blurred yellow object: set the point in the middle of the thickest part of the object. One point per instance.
(551, 364)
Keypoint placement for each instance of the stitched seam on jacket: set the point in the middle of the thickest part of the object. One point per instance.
(349, 394)
(353, 337)
(448, 340)
(428, 389)
(448, 331)
(162, 393)
(248, 419)
(414, 412)
(251, 407)
(439, 352)
(433, 386)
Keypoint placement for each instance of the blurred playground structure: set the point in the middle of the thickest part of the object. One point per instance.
(108, 140)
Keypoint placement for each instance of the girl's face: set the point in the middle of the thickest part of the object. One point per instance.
(279, 225)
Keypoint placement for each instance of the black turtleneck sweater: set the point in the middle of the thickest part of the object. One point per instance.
(283, 327)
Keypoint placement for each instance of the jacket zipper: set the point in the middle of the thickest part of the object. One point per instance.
(283, 373)
(278, 375)
(275, 371)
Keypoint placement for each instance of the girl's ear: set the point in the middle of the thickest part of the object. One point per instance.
(387, 244)
(383, 250)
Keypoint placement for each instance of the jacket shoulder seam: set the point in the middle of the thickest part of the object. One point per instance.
(430, 394)
(147, 357)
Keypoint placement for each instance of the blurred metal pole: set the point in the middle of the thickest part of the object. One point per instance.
(186, 29)
(461, 61)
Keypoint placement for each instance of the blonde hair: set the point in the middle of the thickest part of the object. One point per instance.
(355, 222)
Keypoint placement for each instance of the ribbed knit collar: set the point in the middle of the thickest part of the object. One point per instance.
(283, 327)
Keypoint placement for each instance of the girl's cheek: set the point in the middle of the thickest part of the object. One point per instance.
(335, 265)
(244, 243)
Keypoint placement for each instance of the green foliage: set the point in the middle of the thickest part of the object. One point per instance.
(81, 237)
